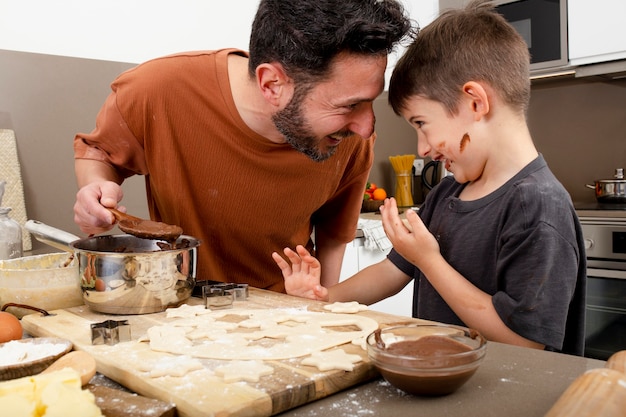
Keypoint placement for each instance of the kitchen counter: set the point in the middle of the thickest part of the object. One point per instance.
(368, 216)
(511, 381)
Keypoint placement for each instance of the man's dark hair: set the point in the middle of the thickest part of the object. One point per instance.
(304, 36)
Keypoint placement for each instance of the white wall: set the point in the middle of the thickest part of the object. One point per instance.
(136, 30)
(123, 30)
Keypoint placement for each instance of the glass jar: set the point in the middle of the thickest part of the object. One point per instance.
(404, 188)
(10, 236)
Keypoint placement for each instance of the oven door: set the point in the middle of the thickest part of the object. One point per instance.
(605, 323)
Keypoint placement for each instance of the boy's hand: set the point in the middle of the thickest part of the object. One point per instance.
(302, 276)
(414, 242)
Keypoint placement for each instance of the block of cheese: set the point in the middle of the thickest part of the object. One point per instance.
(54, 394)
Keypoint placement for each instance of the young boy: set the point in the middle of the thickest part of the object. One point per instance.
(497, 248)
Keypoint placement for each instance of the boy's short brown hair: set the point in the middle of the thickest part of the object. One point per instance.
(461, 45)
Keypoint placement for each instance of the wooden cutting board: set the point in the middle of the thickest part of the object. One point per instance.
(203, 393)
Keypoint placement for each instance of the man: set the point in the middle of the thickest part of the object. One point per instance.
(250, 153)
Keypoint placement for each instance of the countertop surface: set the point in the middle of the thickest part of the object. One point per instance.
(512, 381)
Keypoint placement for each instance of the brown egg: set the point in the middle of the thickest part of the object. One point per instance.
(10, 327)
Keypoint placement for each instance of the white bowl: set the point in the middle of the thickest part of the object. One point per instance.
(47, 282)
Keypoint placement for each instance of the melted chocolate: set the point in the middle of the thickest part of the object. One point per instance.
(464, 141)
(149, 229)
(436, 351)
(428, 346)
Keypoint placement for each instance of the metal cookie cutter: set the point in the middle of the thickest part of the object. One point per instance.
(217, 297)
(110, 332)
(240, 291)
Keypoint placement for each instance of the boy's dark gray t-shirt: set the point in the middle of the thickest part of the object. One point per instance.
(522, 244)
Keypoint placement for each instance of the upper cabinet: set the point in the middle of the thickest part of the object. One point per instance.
(596, 31)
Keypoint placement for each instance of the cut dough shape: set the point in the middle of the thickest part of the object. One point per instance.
(250, 371)
(361, 342)
(290, 317)
(171, 366)
(168, 338)
(251, 324)
(347, 307)
(186, 310)
(205, 333)
(333, 359)
(192, 321)
(275, 332)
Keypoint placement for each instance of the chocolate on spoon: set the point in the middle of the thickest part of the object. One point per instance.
(146, 229)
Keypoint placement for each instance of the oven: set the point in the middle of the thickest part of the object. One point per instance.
(604, 233)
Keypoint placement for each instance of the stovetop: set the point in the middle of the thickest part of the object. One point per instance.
(600, 210)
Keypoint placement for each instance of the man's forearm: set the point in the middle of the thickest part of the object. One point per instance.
(89, 170)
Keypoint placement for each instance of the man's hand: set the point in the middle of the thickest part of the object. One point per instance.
(90, 213)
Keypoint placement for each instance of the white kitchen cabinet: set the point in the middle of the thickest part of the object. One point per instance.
(596, 31)
(358, 257)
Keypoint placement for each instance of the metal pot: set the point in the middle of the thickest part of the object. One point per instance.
(124, 274)
(611, 190)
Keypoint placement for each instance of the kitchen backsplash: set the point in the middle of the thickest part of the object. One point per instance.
(579, 126)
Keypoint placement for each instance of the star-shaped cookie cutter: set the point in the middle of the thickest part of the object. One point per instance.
(110, 332)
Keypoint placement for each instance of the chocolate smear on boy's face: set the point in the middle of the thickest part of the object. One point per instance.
(464, 141)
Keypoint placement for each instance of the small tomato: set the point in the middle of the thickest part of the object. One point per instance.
(366, 197)
(372, 187)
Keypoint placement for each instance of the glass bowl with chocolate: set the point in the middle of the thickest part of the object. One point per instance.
(426, 359)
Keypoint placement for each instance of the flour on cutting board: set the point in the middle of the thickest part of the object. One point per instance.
(247, 334)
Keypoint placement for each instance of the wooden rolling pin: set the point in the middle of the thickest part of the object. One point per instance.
(618, 361)
(596, 393)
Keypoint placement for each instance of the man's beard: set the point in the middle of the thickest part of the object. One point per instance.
(291, 122)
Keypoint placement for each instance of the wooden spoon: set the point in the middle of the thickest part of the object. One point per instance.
(81, 362)
(147, 229)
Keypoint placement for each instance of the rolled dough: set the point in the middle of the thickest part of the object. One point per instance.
(283, 334)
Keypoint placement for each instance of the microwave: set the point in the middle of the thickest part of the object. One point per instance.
(543, 25)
